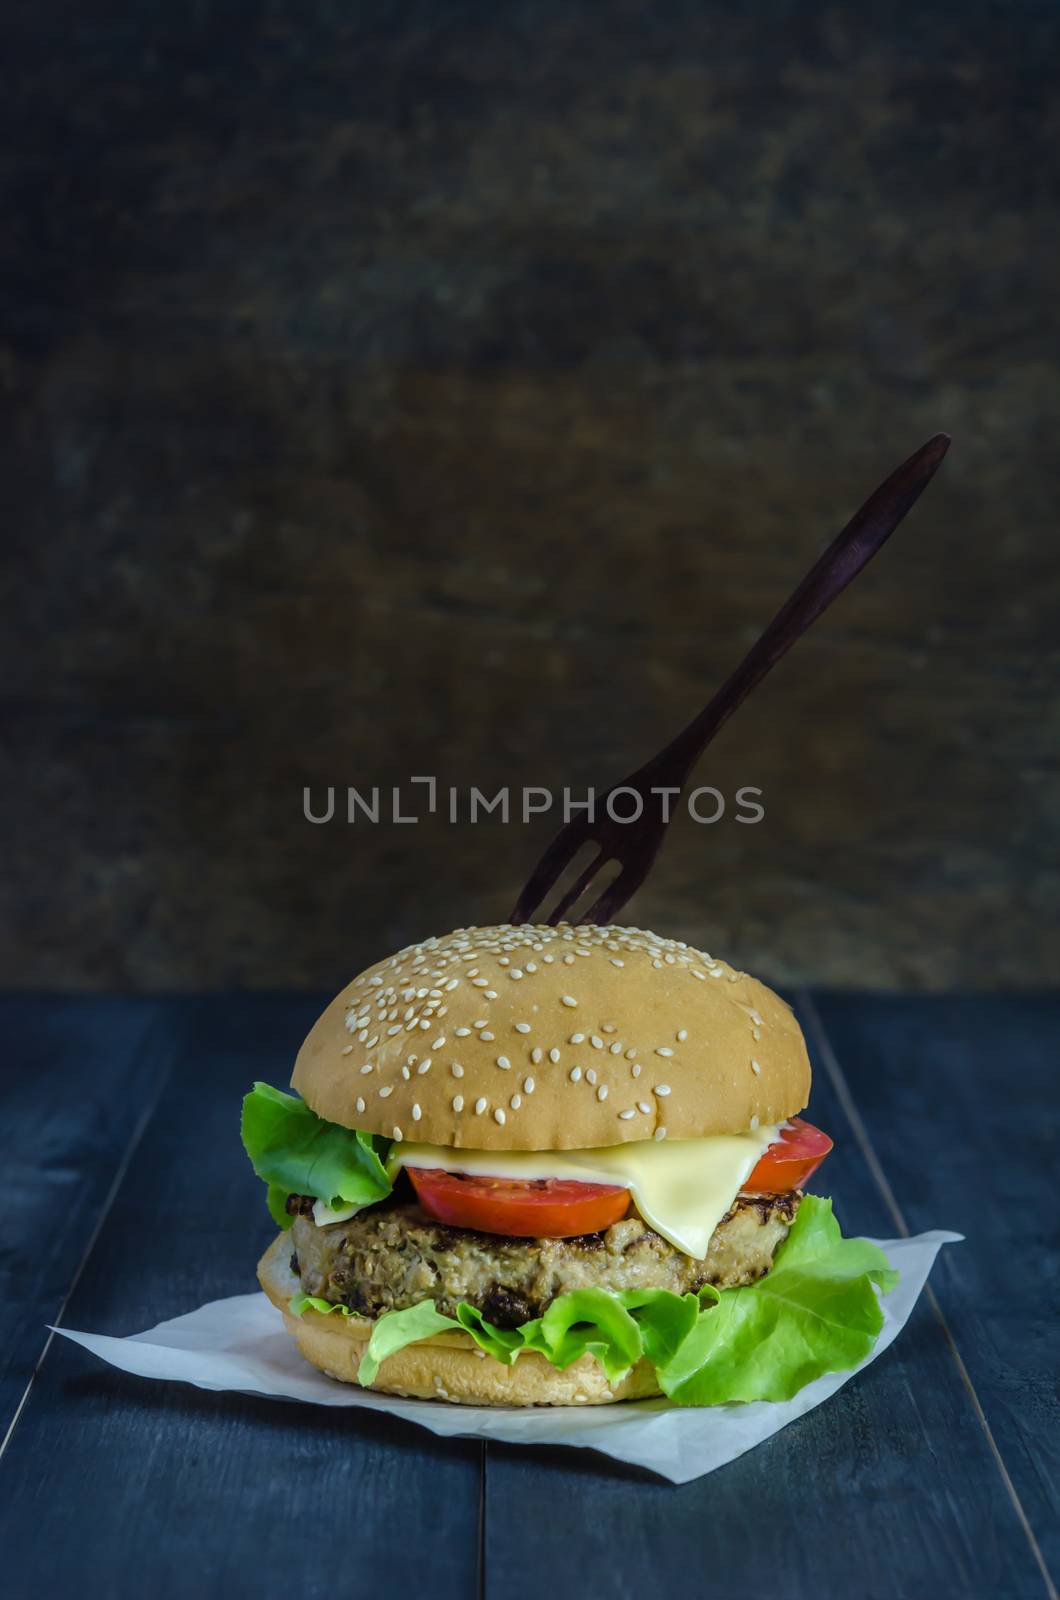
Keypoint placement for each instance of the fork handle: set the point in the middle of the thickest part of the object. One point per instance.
(865, 533)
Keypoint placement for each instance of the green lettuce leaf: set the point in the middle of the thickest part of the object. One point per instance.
(397, 1329)
(503, 1344)
(299, 1302)
(663, 1319)
(816, 1311)
(297, 1152)
(587, 1320)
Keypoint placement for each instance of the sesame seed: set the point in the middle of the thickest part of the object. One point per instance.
(630, 1053)
(457, 1070)
(425, 1022)
(575, 1074)
(660, 1133)
(755, 1068)
(516, 1101)
(528, 1085)
(756, 1034)
(360, 1102)
(662, 1088)
(601, 1093)
(682, 1035)
(416, 1113)
(458, 1102)
(522, 1027)
(616, 963)
(503, 1063)
(568, 961)
(537, 1055)
(480, 1023)
(642, 1105)
(439, 1042)
(481, 983)
(480, 1105)
(590, 1076)
(616, 1049)
(498, 1116)
(754, 1123)
(462, 1033)
(664, 1050)
(516, 972)
(424, 1066)
(553, 1054)
(396, 1028)
(576, 1038)
(608, 1027)
(406, 1074)
(568, 1000)
(347, 1050)
(635, 1069)
(489, 1037)
(491, 994)
(388, 1088)
(367, 1068)
(626, 1115)
(396, 1131)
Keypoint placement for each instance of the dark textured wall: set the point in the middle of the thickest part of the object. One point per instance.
(434, 389)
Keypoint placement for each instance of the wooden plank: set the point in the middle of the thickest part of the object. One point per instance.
(115, 1485)
(81, 1073)
(890, 1488)
(960, 1106)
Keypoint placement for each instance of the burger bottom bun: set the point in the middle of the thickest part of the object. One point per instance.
(449, 1366)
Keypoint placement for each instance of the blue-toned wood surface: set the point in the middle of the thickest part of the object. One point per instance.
(127, 1200)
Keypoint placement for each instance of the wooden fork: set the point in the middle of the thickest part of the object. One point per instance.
(634, 845)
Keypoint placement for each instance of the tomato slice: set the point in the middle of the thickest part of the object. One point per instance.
(546, 1208)
(790, 1160)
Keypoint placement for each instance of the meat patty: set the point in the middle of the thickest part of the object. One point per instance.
(393, 1256)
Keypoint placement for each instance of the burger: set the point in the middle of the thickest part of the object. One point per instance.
(564, 1165)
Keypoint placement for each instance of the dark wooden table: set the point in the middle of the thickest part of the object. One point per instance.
(126, 1199)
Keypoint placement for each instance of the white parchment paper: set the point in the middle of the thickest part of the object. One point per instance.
(240, 1344)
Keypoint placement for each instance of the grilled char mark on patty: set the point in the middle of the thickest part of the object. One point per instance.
(393, 1256)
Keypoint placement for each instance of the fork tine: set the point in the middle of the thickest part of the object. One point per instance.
(577, 889)
(557, 857)
(614, 897)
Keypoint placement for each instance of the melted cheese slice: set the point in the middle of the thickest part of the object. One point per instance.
(681, 1187)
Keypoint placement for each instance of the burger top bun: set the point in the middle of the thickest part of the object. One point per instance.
(565, 1038)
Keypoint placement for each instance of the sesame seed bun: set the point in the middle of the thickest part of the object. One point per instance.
(538, 1038)
(449, 1366)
